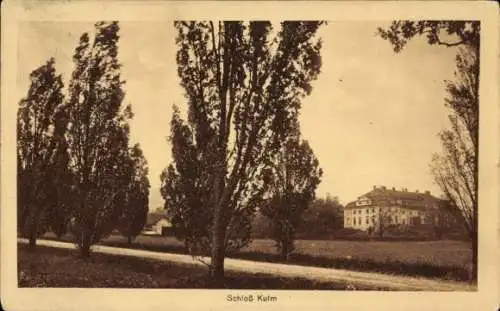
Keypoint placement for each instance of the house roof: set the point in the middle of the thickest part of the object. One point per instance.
(416, 200)
(153, 218)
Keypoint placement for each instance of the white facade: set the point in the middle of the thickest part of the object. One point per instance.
(162, 223)
(389, 207)
(366, 217)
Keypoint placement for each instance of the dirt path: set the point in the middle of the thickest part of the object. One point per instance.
(392, 282)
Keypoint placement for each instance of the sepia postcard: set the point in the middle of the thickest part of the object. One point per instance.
(219, 155)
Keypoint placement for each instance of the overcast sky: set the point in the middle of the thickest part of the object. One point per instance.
(372, 118)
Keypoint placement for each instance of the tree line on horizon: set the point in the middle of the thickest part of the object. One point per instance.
(237, 152)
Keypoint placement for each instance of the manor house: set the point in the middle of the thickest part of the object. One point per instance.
(392, 207)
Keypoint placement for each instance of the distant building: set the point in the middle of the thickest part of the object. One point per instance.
(392, 207)
(158, 223)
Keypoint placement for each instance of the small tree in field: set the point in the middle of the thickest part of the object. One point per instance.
(186, 188)
(135, 209)
(40, 135)
(382, 221)
(294, 181)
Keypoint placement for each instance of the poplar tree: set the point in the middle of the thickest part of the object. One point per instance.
(293, 182)
(135, 209)
(98, 136)
(244, 83)
(40, 131)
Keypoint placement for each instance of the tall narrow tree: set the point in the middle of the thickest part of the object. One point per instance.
(61, 185)
(135, 210)
(186, 189)
(294, 180)
(456, 170)
(38, 133)
(98, 136)
(244, 84)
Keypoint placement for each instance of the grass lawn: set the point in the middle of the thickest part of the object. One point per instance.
(435, 259)
(53, 267)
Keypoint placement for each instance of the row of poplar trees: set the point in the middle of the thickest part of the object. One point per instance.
(239, 149)
(77, 171)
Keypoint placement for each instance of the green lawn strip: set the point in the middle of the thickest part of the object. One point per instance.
(54, 267)
(388, 266)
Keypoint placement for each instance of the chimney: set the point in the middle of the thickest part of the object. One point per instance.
(427, 192)
(374, 187)
(416, 191)
(393, 189)
(383, 187)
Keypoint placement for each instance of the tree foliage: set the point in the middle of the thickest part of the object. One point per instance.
(456, 169)
(186, 189)
(292, 186)
(136, 206)
(446, 33)
(323, 218)
(61, 186)
(244, 83)
(98, 136)
(40, 142)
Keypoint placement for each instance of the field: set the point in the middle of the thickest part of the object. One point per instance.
(435, 259)
(440, 253)
(52, 267)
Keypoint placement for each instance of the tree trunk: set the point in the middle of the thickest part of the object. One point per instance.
(285, 254)
(218, 253)
(219, 229)
(474, 257)
(85, 246)
(286, 247)
(32, 230)
(32, 240)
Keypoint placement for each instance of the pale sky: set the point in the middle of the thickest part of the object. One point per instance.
(372, 118)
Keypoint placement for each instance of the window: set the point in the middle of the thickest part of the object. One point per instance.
(367, 220)
(367, 211)
(373, 210)
(354, 219)
(359, 220)
(354, 211)
(396, 219)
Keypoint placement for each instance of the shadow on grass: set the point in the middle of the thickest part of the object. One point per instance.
(54, 267)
